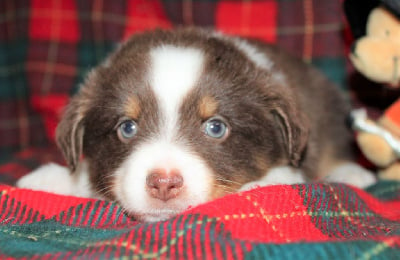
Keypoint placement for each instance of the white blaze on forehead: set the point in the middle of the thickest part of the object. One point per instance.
(174, 71)
(252, 53)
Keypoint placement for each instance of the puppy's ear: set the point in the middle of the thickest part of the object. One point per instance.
(294, 127)
(69, 132)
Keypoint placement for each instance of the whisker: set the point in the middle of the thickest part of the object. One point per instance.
(229, 181)
(226, 188)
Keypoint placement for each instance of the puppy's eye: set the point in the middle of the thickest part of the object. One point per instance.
(127, 130)
(216, 128)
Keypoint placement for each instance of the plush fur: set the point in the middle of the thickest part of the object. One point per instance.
(278, 115)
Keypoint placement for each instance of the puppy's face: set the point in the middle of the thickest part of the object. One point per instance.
(174, 119)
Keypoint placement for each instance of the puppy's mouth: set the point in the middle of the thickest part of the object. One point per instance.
(156, 215)
(152, 209)
(160, 212)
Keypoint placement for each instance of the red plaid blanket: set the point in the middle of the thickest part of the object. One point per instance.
(282, 222)
(46, 48)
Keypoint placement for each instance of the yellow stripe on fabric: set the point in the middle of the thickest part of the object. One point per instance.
(308, 30)
(345, 213)
(267, 218)
(378, 249)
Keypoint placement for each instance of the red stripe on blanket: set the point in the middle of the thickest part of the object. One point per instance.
(145, 15)
(46, 204)
(383, 209)
(51, 107)
(54, 21)
(256, 19)
(274, 214)
(272, 209)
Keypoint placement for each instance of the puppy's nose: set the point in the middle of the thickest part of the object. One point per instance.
(164, 184)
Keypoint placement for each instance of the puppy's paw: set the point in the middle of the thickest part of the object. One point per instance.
(352, 174)
(50, 177)
(276, 176)
(251, 185)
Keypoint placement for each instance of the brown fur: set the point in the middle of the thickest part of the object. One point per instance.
(271, 122)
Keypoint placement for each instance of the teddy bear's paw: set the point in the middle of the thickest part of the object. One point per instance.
(376, 149)
(391, 173)
(352, 174)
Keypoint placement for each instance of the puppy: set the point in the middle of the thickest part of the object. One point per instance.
(173, 119)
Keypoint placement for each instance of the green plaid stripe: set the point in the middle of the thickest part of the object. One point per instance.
(328, 250)
(12, 66)
(334, 68)
(386, 190)
(102, 27)
(98, 229)
(335, 209)
(89, 55)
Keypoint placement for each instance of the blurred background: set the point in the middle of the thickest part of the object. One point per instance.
(47, 47)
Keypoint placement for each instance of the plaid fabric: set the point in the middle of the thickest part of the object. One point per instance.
(27, 160)
(280, 222)
(47, 47)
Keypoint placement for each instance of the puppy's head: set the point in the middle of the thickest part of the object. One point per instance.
(173, 119)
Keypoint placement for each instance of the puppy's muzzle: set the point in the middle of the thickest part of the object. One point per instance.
(164, 184)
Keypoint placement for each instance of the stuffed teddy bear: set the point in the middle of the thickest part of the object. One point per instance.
(380, 141)
(377, 56)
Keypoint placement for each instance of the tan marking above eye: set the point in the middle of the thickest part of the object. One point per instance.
(132, 107)
(260, 162)
(208, 107)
